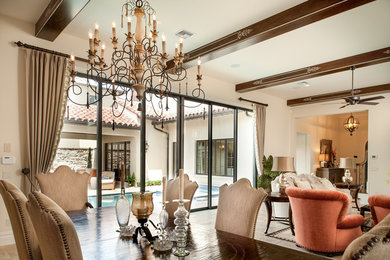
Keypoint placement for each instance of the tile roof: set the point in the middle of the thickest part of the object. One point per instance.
(131, 116)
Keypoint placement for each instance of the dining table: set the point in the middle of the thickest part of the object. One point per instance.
(99, 239)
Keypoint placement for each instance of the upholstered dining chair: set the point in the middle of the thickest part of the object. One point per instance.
(379, 207)
(172, 193)
(24, 233)
(238, 207)
(55, 230)
(67, 188)
(320, 219)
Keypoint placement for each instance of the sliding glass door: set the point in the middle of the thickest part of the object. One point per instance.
(196, 149)
(222, 150)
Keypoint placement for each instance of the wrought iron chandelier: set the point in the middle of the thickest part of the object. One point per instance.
(351, 124)
(137, 62)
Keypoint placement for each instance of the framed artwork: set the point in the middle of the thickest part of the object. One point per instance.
(326, 147)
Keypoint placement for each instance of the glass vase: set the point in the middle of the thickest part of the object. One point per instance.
(181, 223)
(122, 209)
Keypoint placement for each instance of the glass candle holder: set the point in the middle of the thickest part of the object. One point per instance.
(142, 206)
(162, 243)
(181, 223)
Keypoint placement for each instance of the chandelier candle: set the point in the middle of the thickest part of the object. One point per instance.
(96, 31)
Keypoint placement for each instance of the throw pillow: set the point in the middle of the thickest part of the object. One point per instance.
(318, 186)
(302, 184)
(327, 184)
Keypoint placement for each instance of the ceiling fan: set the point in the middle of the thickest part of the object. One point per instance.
(354, 100)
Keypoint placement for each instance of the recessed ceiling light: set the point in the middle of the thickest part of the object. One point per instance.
(184, 34)
(235, 65)
(302, 84)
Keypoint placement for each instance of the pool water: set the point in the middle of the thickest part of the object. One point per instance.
(110, 200)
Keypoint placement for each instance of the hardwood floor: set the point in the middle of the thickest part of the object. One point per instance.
(9, 252)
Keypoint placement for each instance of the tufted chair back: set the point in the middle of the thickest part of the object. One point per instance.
(55, 230)
(67, 188)
(24, 233)
(238, 206)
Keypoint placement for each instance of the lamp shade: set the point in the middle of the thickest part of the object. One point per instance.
(347, 163)
(323, 157)
(283, 164)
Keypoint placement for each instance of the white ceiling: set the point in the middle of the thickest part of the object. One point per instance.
(359, 30)
(25, 10)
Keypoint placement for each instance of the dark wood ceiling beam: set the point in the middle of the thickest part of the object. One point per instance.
(298, 16)
(339, 95)
(360, 60)
(57, 15)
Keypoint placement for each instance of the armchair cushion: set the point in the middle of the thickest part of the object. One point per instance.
(351, 221)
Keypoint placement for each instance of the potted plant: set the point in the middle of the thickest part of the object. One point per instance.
(265, 179)
(131, 179)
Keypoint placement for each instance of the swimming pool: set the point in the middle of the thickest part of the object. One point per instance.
(110, 199)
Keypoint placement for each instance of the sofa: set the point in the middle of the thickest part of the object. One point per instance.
(321, 221)
(375, 244)
(310, 181)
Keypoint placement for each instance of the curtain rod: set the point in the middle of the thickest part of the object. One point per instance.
(28, 46)
(251, 101)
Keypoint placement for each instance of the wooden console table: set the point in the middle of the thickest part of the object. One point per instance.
(334, 175)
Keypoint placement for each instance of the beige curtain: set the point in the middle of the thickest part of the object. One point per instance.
(259, 131)
(48, 78)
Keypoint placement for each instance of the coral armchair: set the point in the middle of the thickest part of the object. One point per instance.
(380, 207)
(320, 220)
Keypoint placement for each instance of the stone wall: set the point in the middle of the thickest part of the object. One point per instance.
(75, 158)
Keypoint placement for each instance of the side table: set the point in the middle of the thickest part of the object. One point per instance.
(355, 187)
(278, 197)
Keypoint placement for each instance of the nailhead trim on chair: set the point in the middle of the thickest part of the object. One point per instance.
(22, 219)
(59, 225)
(370, 245)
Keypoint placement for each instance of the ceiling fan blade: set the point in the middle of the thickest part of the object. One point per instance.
(368, 103)
(372, 98)
(344, 106)
(348, 99)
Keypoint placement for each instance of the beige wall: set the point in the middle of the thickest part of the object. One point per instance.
(378, 138)
(331, 127)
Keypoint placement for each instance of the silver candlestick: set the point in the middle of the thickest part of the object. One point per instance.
(181, 223)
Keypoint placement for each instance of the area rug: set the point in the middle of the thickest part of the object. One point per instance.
(283, 234)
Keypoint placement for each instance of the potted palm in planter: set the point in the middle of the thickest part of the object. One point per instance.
(265, 181)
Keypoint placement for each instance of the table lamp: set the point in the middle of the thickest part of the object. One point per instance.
(347, 163)
(323, 158)
(283, 165)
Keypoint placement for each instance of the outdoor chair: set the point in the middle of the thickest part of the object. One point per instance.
(238, 207)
